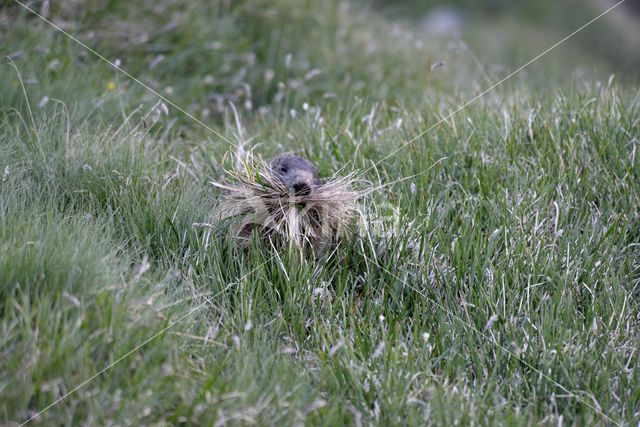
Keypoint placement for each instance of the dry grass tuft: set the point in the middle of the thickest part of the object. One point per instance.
(255, 200)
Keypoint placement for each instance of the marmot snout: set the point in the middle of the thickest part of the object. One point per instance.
(297, 174)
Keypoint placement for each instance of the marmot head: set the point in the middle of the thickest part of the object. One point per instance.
(297, 174)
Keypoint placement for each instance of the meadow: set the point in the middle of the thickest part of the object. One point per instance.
(494, 278)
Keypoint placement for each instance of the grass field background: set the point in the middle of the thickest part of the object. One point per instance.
(499, 253)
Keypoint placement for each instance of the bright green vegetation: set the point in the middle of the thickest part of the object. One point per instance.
(522, 222)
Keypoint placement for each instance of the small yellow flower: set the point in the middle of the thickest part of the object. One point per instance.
(111, 86)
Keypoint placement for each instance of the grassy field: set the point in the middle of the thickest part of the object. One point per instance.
(495, 278)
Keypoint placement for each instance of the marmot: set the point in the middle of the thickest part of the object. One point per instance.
(287, 204)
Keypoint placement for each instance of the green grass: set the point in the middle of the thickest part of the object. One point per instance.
(519, 234)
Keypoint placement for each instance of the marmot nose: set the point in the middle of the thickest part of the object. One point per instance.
(301, 188)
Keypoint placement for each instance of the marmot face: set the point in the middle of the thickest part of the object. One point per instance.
(297, 174)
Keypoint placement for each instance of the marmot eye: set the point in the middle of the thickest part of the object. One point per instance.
(283, 169)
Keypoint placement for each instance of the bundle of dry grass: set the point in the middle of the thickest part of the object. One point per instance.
(256, 200)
